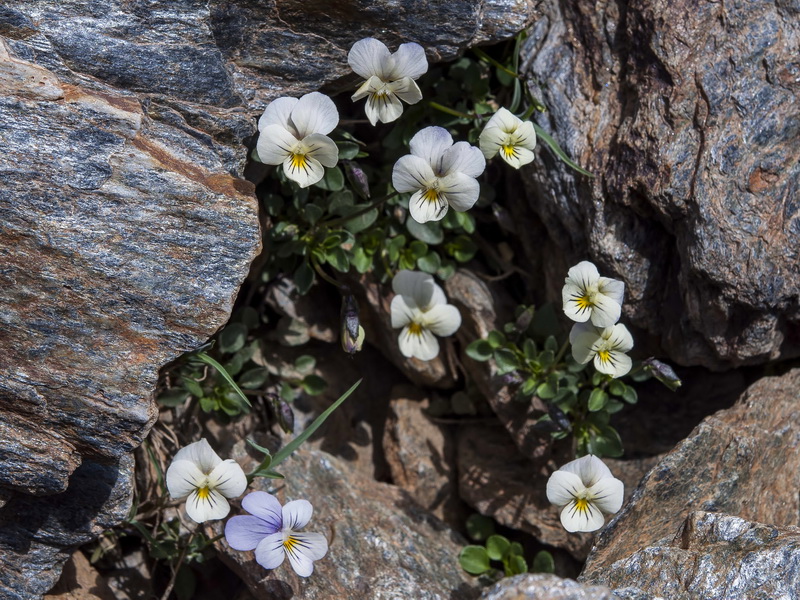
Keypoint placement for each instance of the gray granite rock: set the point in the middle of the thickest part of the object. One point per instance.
(381, 543)
(714, 557)
(545, 587)
(743, 461)
(687, 114)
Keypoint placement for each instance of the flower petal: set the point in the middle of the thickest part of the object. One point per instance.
(505, 120)
(575, 301)
(206, 505)
(563, 487)
(314, 113)
(491, 139)
(443, 319)
(412, 173)
(369, 57)
(577, 516)
(589, 468)
(278, 112)
(605, 311)
(607, 494)
(423, 345)
(201, 454)
(228, 479)
(464, 158)
(418, 288)
(266, 507)
(582, 338)
(620, 338)
(303, 549)
(275, 143)
(304, 169)
(583, 274)
(516, 156)
(383, 106)
(429, 144)
(425, 207)
(460, 190)
(612, 288)
(402, 313)
(296, 514)
(525, 136)
(613, 363)
(409, 61)
(270, 552)
(244, 532)
(370, 86)
(322, 148)
(406, 89)
(183, 477)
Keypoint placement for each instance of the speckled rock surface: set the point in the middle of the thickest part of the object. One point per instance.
(545, 587)
(743, 461)
(382, 544)
(687, 112)
(714, 557)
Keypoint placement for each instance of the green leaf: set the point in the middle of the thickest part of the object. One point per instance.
(629, 395)
(616, 388)
(497, 547)
(496, 339)
(474, 560)
(208, 404)
(253, 378)
(430, 232)
(479, 350)
(606, 443)
(543, 562)
(418, 249)
(340, 202)
(220, 369)
(232, 338)
(479, 527)
(529, 386)
(429, 263)
(361, 222)
(304, 277)
(313, 385)
(360, 259)
(348, 150)
(287, 450)
(333, 180)
(264, 451)
(305, 364)
(546, 391)
(614, 406)
(551, 344)
(312, 213)
(529, 348)
(337, 258)
(506, 361)
(545, 137)
(173, 397)
(516, 565)
(597, 400)
(193, 387)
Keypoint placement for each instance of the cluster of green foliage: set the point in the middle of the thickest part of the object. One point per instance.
(476, 559)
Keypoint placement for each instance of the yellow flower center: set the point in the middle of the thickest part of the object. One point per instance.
(290, 543)
(581, 504)
(415, 328)
(584, 302)
(509, 151)
(431, 195)
(204, 493)
(299, 161)
(604, 355)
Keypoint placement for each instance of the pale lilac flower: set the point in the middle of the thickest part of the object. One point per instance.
(389, 77)
(421, 309)
(199, 473)
(586, 295)
(294, 132)
(440, 173)
(272, 531)
(585, 489)
(509, 135)
(606, 346)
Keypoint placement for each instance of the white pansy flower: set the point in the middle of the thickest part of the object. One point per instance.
(294, 132)
(509, 135)
(440, 173)
(207, 480)
(389, 77)
(607, 346)
(586, 489)
(421, 309)
(586, 296)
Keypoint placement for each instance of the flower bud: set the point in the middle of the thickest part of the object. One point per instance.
(352, 334)
(283, 412)
(357, 178)
(663, 372)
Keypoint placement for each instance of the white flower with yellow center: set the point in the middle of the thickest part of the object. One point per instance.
(207, 480)
(585, 489)
(440, 174)
(510, 136)
(294, 132)
(607, 346)
(421, 309)
(586, 296)
(389, 77)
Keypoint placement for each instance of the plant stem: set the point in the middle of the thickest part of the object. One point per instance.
(450, 111)
(323, 274)
(174, 576)
(482, 55)
(561, 352)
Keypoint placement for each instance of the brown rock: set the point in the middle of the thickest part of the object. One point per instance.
(742, 461)
(421, 456)
(80, 581)
(545, 587)
(686, 114)
(715, 557)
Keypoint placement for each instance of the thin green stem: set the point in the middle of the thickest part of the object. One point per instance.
(450, 111)
(483, 56)
(323, 274)
(561, 352)
(171, 584)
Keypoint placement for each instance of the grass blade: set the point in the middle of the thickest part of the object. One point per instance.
(225, 375)
(544, 136)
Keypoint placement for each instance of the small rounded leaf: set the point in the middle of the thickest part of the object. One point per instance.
(474, 560)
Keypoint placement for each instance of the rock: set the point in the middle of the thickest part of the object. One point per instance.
(715, 557)
(687, 115)
(381, 542)
(500, 483)
(421, 456)
(80, 581)
(742, 461)
(313, 310)
(35, 532)
(546, 587)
